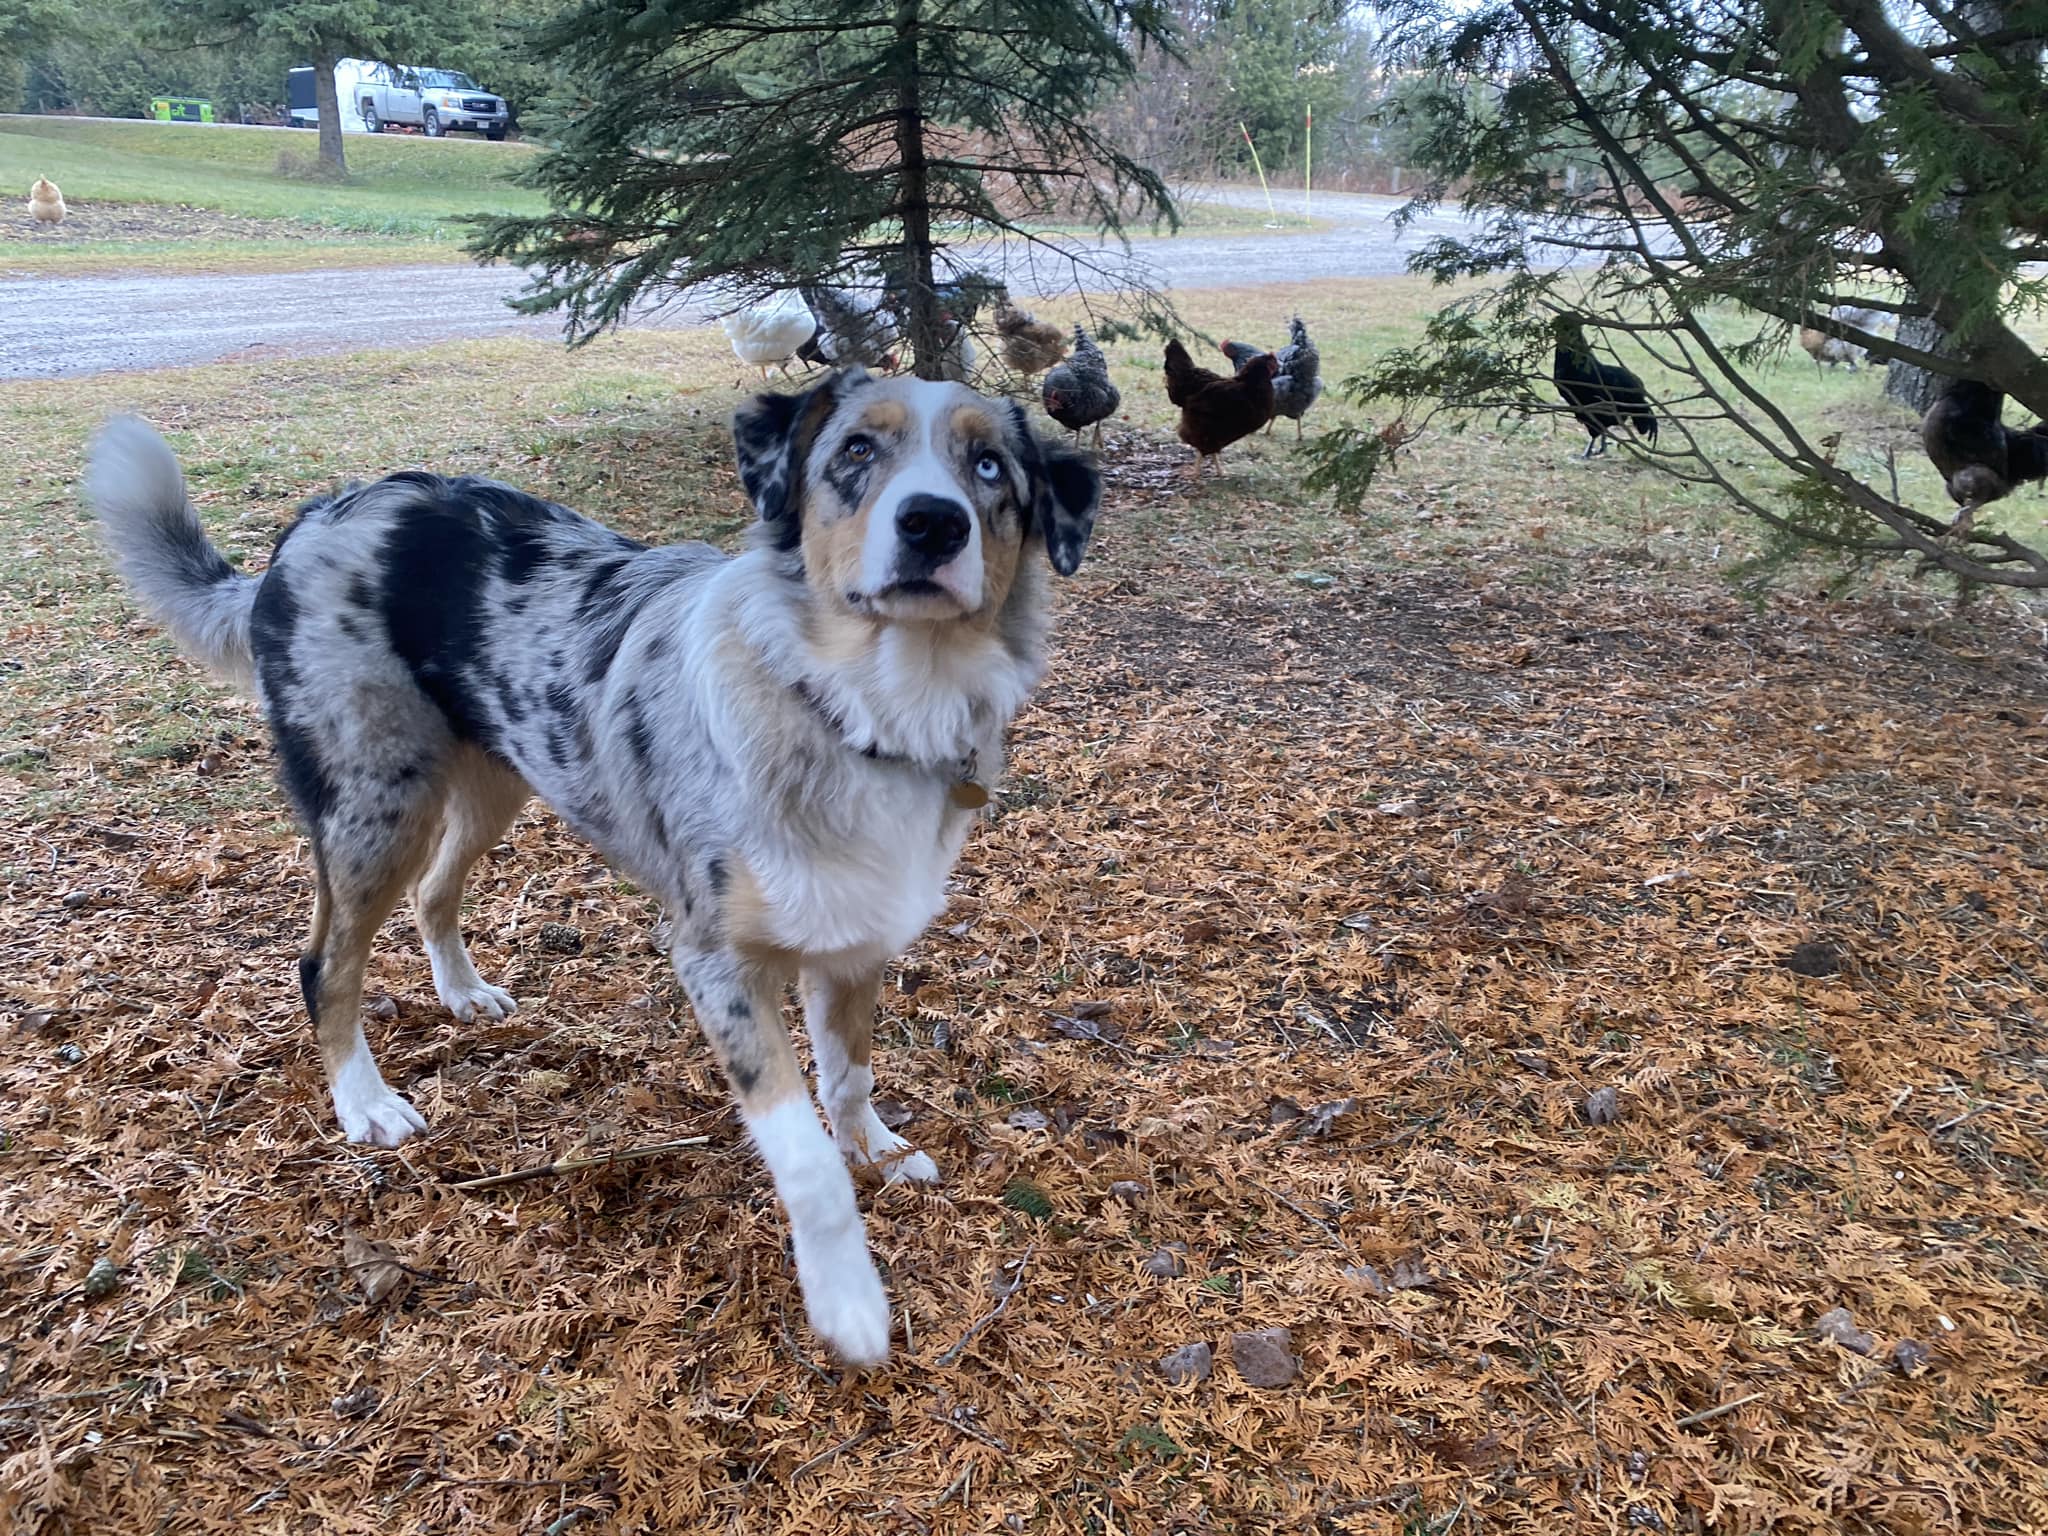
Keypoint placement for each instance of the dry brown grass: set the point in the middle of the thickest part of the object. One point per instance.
(1464, 821)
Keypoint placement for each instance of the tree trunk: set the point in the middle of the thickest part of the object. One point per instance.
(1909, 383)
(913, 200)
(328, 99)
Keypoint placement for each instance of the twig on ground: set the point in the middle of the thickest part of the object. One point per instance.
(579, 1164)
(1715, 1412)
(1016, 1285)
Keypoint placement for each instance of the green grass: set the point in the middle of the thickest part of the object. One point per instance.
(409, 188)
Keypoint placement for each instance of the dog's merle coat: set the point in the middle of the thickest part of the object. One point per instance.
(769, 743)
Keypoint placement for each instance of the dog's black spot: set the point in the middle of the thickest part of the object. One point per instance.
(509, 704)
(273, 621)
(715, 873)
(360, 594)
(406, 773)
(349, 628)
(658, 825)
(639, 735)
(309, 983)
(558, 660)
(740, 1011)
(657, 648)
(744, 1077)
(434, 563)
(847, 478)
(572, 559)
(562, 700)
(597, 590)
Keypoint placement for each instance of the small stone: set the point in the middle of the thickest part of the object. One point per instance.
(1129, 1191)
(1911, 1356)
(1641, 1517)
(383, 1006)
(1838, 1327)
(892, 1114)
(1603, 1106)
(560, 939)
(1368, 1276)
(1028, 1120)
(103, 1279)
(1167, 1263)
(359, 1404)
(70, 1055)
(73, 900)
(1400, 807)
(1281, 1111)
(1191, 1362)
(1357, 922)
(1265, 1357)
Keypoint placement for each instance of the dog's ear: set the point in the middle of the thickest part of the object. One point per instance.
(1066, 490)
(771, 438)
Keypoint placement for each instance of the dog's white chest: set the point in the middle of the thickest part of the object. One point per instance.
(872, 893)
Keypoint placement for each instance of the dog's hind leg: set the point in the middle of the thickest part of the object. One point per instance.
(738, 1003)
(367, 853)
(483, 797)
(840, 1015)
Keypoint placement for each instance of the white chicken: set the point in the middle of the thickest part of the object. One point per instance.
(45, 202)
(766, 336)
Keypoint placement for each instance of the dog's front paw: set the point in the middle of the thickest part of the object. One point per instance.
(477, 1000)
(847, 1305)
(369, 1111)
(869, 1144)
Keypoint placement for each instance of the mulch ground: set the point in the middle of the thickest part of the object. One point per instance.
(1602, 1027)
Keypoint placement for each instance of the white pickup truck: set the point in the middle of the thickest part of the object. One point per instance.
(435, 101)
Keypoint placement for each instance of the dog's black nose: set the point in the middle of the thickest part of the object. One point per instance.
(932, 528)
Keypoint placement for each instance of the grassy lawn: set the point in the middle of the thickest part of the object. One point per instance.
(181, 197)
(1376, 845)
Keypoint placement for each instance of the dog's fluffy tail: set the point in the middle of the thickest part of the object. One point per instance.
(161, 550)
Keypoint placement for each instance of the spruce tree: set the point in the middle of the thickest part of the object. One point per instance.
(753, 144)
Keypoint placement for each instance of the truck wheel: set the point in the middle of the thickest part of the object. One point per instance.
(372, 123)
(430, 124)
(495, 135)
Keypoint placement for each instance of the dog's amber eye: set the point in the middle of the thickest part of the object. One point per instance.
(989, 467)
(859, 449)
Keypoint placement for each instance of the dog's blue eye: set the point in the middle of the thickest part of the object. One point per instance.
(859, 449)
(989, 467)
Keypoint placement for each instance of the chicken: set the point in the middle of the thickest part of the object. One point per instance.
(1823, 348)
(1028, 344)
(1299, 383)
(852, 329)
(766, 336)
(45, 202)
(1078, 392)
(1216, 411)
(1980, 459)
(1604, 397)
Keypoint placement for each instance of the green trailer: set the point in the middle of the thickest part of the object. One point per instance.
(181, 109)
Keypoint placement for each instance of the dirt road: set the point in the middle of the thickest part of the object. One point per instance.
(57, 327)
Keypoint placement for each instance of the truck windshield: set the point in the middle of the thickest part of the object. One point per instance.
(447, 79)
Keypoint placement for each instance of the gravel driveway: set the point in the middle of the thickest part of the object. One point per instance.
(54, 327)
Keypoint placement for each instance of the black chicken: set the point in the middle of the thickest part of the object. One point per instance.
(1078, 392)
(1603, 396)
(1980, 459)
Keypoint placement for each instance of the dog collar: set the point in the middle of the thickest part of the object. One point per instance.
(964, 787)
